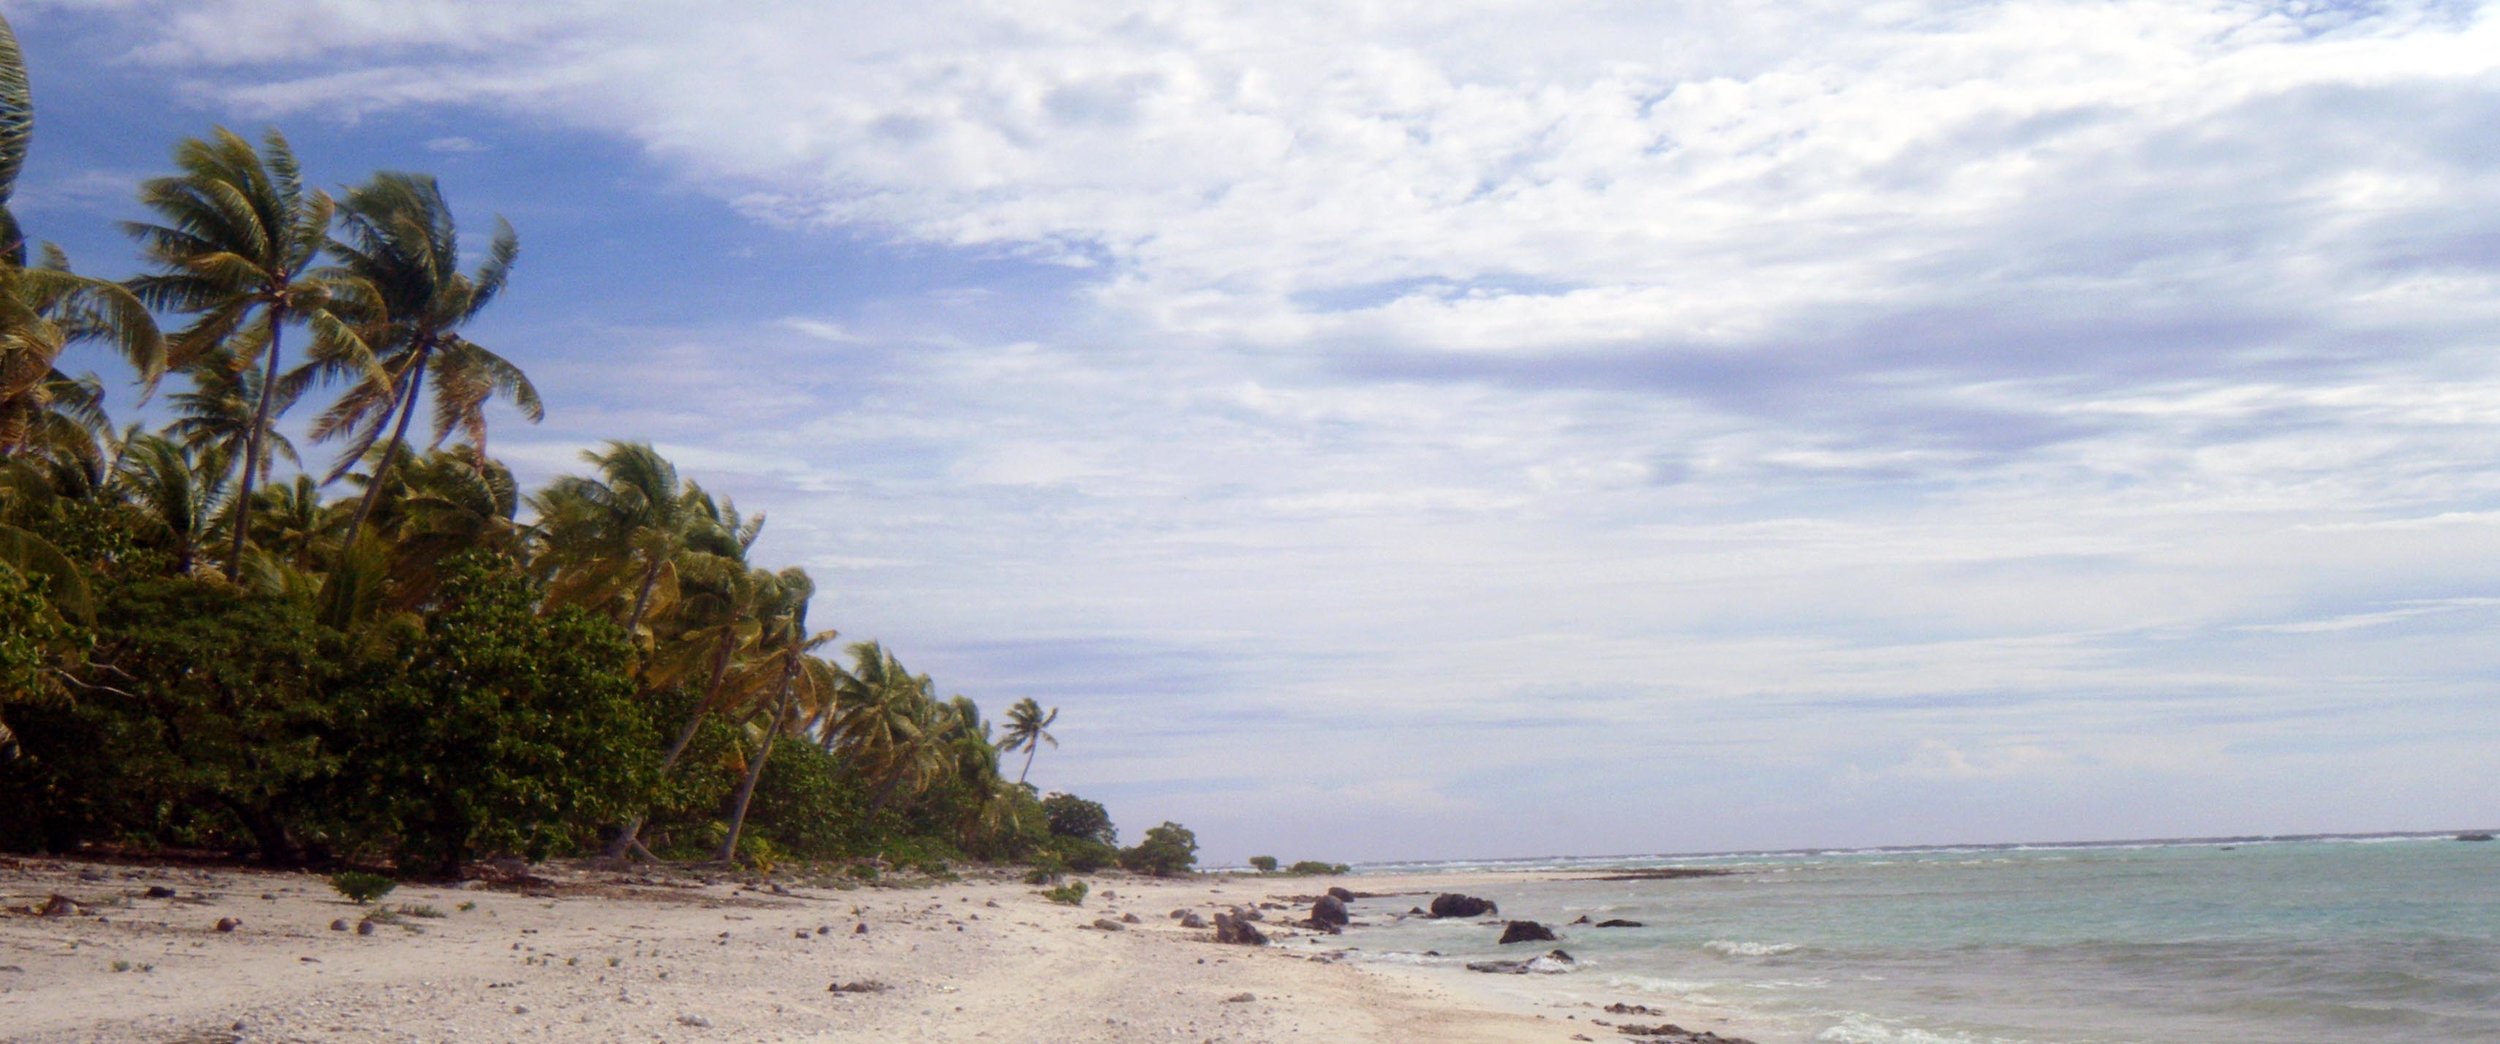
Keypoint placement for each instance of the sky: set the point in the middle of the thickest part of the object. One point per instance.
(1397, 430)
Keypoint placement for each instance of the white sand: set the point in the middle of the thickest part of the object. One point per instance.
(605, 957)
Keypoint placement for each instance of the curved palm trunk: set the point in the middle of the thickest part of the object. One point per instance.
(407, 409)
(1030, 749)
(755, 770)
(631, 832)
(642, 598)
(252, 446)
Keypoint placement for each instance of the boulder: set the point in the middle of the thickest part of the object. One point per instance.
(1331, 911)
(1582, 919)
(1190, 919)
(1341, 895)
(1617, 922)
(1452, 904)
(1109, 925)
(1231, 929)
(1526, 931)
(1248, 913)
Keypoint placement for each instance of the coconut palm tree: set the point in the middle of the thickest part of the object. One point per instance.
(401, 246)
(235, 249)
(221, 408)
(785, 634)
(175, 496)
(882, 722)
(1025, 725)
(625, 529)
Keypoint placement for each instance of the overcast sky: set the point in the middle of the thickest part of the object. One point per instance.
(1447, 429)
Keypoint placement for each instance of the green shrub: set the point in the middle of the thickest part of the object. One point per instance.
(1073, 816)
(361, 887)
(1039, 876)
(1315, 868)
(1082, 855)
(1167, 850)
(1263, 864)
(1069, 894)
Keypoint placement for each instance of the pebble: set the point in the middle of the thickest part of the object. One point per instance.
(228, 924)
(339, 925)
(364, 927)
(697, 1021)
(1241, 998)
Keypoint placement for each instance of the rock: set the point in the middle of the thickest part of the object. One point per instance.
(270, 896)
(1632, 1009)
(1617, 922)
(1241, 998)
(1330, 911)
(862, 929)
(339, 925)
(2475, 835)
(160, 892)
(803, 934)
(1191, 919)
(58, 906)
(1109, 925)
(1130, 918)
(1582, 919)
(1178, 914)
(1452, 904)
(1416, 911)
(1231, 929)
(861, 986)
(228, 924)
(1526, 931)
(364, 927)
(1341, 894)
(696, 1021)
(1552, 963)
(824, 929)
(1248, 913)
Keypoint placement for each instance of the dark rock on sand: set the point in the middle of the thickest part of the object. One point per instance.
(1190, 919)
(1109, 925)
(1618, 922)
(1452, 904)
(160, 892)
(1231, 929)
(1341, 894)
(1526, 931)
(1330, 910)
(1670, 1033)
(228, 924)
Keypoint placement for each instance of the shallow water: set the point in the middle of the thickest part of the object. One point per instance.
(2381, 939)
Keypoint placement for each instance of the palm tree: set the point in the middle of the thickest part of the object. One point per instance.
(882, 721)
(220, 411)
(175, 497)
(627, 528)
(17, 127)
(1025, 722)
(236, 251)
(402, 249)
(786, 632)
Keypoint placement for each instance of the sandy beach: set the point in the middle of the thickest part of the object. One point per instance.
(574, 954)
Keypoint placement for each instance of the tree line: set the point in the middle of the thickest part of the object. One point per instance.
(400, 657)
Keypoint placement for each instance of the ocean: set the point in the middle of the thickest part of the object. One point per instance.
(2377, 939)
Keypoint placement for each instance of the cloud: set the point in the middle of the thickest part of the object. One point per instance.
(456, 144)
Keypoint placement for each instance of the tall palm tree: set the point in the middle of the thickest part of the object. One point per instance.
(175, 496)
(401, 246)
(236, 251)
(1025, 725)
(17, 127)
(882, 722)
(785, 633)
(626, 529)
(221, 411)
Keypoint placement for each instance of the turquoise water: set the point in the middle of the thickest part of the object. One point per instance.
(2381, 939)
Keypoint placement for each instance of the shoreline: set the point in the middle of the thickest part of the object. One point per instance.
(584, 954)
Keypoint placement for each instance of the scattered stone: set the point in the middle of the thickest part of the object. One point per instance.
(1248, 913)
(366, 928)
(824, 929)
(1191, 919)
(228, 924)
(1231, 929)
(1452, 904)
(520, 1009)
(1618, 922)
(1330, 911)
(58, 906)
(861, 929)
(992, 904)
(1341, 894)
(802, 933)
(861, 986)
(160, 892)
(339, 925)
(1632, 1009)
(270, 896)
(1130, 918)
(1178, 914)
(1241, 998)
(1109, 925)
(1526, 931)
(696, 1021)
(1582, 919)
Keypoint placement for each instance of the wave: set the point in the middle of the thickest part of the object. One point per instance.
(1731, 948)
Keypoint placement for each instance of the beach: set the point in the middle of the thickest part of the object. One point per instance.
(572, 953)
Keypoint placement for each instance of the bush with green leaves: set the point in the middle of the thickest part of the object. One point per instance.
(1263, 864)
(493, 730)
(1073, 816)
(1168, 850)
(1081, 854)
(1069, 894)
(361, 887)
(1315, 868)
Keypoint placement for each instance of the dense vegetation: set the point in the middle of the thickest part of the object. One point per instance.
(404, 660)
